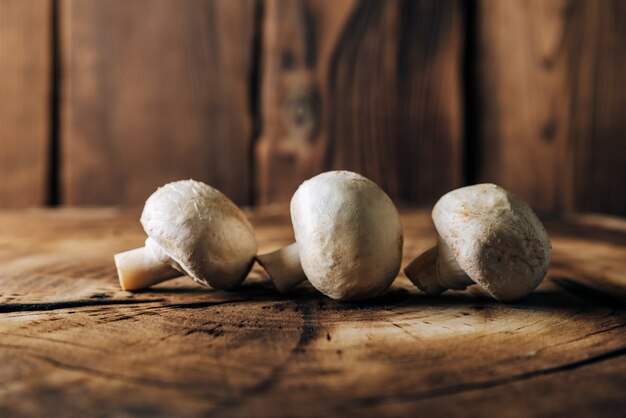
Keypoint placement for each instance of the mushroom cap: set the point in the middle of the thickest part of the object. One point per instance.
(495, 238)
(203, 233)
(348, 234)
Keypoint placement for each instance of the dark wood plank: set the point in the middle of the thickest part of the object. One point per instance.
(25, 81)
(367, 86)
(551, 121)
(598, 103)
(74, 344)
(155, 91)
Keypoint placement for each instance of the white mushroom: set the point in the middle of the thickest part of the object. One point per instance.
(348, 238)
(487, 236)
(192, 229)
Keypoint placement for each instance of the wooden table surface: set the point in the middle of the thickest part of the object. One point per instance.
(74, 345)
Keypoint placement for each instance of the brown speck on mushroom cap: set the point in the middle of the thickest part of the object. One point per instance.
(495, 238)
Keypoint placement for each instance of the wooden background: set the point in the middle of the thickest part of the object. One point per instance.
(101, 101)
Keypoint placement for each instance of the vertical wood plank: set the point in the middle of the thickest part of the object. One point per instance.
(367, 86)
(25, 81)
(551, 77)
(598, 108)
(155, 91)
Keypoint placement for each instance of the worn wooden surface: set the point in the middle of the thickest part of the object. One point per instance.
(155, 91)
(25, 83)
(368, 86)
(73, 345)
(550, 101)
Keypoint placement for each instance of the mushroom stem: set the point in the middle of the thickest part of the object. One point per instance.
(450, 275)
(138, 269)
(284, 267)
(437, 270)
(423, 272)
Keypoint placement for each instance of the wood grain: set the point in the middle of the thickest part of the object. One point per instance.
(155, 91)
(25, 82)
(551, 119)
(73, 344)
(368, 86)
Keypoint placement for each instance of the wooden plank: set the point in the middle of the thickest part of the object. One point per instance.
(25, 81)
(74, 344)
(155, 91)
(367, 86)
(551, 124)
(598, 107)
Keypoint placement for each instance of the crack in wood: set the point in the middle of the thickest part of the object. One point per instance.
(584, 291)
(54, 340)
(109, 375)
(216, 331)
(100, 373)
(307, 334)
(53, 306)
(473, 386)
(200, 305)
(601, 331)
(404, 330)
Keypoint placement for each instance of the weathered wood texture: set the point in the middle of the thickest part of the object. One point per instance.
(155, 91)
(551, 126)
(254, 96)
(74, 345)
(25, 83)
(368, 86)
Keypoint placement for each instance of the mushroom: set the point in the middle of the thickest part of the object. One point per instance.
(348, 238)
(487, 236)
(192, 229)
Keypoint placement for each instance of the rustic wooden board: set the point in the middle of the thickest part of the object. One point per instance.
(74, 345)
(551, 112)
(25, 81)
(155, 91)
(368, 86)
